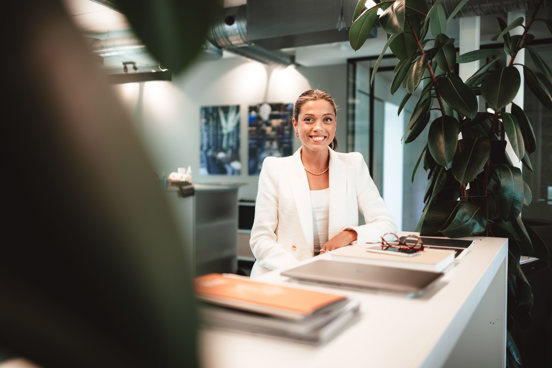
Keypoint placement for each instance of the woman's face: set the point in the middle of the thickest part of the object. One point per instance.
(316, 124)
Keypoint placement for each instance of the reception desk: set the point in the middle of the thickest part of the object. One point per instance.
(460, 321)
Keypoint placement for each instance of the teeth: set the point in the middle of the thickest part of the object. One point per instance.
(317, 139)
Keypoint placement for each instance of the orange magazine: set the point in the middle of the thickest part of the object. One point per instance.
(241, 292)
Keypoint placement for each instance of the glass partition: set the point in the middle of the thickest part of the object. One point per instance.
(540, 180)
(376, 130)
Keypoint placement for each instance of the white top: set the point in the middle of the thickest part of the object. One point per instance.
(320, 200)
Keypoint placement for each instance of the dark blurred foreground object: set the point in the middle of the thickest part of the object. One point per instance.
(92, 272)
(536, 341)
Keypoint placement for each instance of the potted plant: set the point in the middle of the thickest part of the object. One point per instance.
(473, 187)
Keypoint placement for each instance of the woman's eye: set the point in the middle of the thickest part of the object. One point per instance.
(328, 120)
(308, 120)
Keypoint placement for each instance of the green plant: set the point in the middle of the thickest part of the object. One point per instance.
(473, 186)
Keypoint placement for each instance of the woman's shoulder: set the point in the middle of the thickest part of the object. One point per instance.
(276, 162)
(349, 156)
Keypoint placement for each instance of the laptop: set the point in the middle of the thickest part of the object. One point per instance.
(364, 276)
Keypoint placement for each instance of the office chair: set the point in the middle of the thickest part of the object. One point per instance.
(92, 270)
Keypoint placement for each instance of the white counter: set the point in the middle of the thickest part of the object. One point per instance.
(460, 321)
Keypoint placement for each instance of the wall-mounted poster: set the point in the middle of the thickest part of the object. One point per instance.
(220, 140)
(270, 133)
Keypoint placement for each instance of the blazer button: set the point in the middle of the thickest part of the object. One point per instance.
(293, 247)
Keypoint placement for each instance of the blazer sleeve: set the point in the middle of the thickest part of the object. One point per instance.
(378, 218)
(264, 242)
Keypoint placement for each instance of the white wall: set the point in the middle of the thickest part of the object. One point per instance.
(167, 114)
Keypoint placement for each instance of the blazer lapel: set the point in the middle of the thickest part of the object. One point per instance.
(338, 186)
(301, 194)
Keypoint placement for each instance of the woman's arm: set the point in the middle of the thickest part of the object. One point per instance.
(264, 242)
(343, 238)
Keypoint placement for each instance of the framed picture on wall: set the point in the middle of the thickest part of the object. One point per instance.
(270, 133)
(220, 140)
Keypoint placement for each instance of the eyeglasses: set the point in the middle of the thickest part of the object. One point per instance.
(409, 242)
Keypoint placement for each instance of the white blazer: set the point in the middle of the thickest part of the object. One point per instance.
(282, 232)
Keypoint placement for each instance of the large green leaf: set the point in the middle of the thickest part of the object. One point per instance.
(529, 138)
(540, 64)
(416, 8)
(431, 13)
(507, 39)
(475, 55)
(430, 164)
(506, 192)
(439, 181)
(418, 127)
(513, 131)
(458, 95)
(432, 176)
(442, 139)
(517, 234)
(515, 23)
(403, 102)
(419, 118)
(400, 73)
(519, 41)
(513, 358)
(545, 83)
(392, 18)
(359, 9)
(478, 127)
(469, 219)
(415, 74)
(527, 194)
(446, 56)
(456, 9)
(380, 57)
(404, 45)
(361, 28)
(418, 164)
(500, 86)
(173, 31)
(438, 20)
(436, 217)
(470, 159)
(535, 86)
(479, 75)
(527, 162)
(423, 105)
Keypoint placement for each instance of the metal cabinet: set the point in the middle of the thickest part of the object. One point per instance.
(208, 220)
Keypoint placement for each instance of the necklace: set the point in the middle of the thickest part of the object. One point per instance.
(317, 174)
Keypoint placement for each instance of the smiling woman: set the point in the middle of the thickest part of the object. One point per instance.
(308, 203)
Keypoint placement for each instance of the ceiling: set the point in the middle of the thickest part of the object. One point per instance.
(306, 41)
(104, 25)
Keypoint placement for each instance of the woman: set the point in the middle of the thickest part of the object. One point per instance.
(308, 203)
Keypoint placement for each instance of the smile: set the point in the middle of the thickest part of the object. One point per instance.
(318, 138)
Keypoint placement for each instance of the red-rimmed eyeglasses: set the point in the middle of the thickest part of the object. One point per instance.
(408, 242)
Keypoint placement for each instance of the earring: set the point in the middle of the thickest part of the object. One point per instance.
(297, 134)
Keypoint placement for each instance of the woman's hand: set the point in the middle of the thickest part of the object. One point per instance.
(343, 238)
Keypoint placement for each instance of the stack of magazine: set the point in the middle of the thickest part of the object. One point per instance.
(238, 303)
